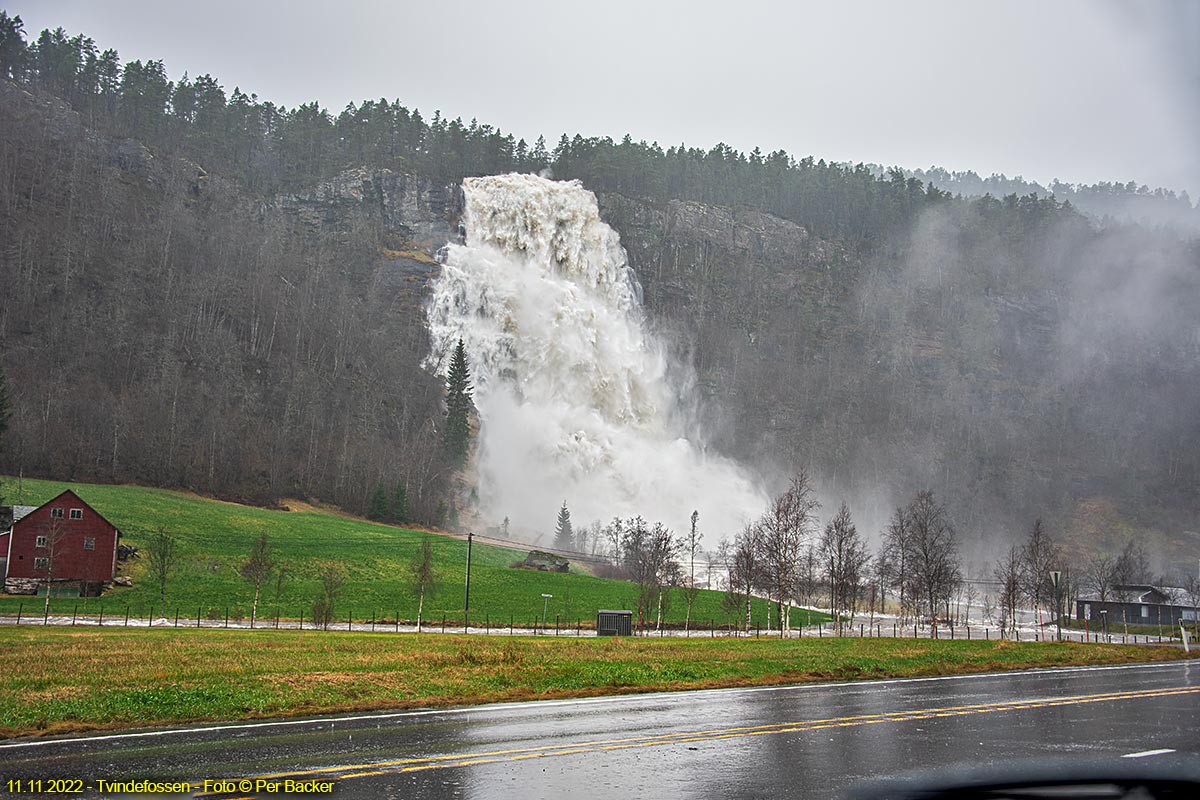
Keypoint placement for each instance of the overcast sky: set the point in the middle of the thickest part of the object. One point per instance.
(1080, 90)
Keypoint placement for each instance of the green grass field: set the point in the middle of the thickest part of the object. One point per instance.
(62, 679)
(216, 538)
(1117, 629)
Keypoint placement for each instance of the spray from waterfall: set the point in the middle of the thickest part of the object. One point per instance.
(573, 392)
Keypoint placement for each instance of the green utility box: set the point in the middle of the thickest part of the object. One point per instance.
(614, 623)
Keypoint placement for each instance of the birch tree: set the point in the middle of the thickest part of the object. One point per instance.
(691, 590)
(421, 576)
(844, 556)
(650, 556)
(745, 570)
(1008, 574)
(54, 534)
(783, 531)
(896, 558)
(257, 570)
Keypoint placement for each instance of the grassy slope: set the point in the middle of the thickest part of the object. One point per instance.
(217, 536)
(189, 675)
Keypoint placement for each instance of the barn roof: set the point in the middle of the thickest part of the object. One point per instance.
(71, 497)
(9, 515)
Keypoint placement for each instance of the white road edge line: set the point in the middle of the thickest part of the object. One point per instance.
(1146, 753)
(539, 704)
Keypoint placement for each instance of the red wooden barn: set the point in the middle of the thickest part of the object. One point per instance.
(66, 542)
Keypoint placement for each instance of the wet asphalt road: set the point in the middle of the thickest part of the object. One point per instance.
(807, 741)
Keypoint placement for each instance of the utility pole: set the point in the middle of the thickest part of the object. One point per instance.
(467, 593)
(1054, 576)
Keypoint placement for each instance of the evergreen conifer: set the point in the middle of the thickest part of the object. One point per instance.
(457, 434)
(377, 508)
(564, 534)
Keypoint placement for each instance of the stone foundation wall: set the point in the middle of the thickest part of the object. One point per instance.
(21, 585)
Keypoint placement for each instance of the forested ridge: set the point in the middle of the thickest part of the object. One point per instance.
(208, 295)
(1109, 200)
(271, 149)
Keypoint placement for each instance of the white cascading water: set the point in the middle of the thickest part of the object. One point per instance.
(573, 396)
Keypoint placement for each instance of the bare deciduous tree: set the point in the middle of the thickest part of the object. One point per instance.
(650, 555)
(162, 559)
(257, 570)
(783, 532)
(808, 579)
(52, 537)
(935, 571)
(1192, 587)
(421, 576)
(1009, 574)
(614, 535)
(1040, 555)
(895, 559)
(1131, 568)
(745, 572)
(691, 589)
(1099, 575)
(333, 578)
(844, 556)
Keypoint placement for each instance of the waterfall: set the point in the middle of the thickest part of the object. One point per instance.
(574, 396)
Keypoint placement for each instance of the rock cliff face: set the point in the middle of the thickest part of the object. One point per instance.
(937, 362)
(409, 219)
(410, 210)
(733, 289)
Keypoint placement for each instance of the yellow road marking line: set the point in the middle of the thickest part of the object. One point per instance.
(524, 753)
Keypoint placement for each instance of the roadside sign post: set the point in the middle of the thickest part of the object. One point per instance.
(545, 600)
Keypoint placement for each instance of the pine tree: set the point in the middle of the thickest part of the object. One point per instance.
(457, 435)
(377, 507)
(564, 534)
(12, 45)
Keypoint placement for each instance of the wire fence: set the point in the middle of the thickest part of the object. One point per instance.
(379, 621)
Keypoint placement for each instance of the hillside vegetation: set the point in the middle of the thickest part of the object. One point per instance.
(216, 539)
(220, 294)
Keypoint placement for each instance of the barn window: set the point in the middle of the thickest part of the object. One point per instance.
(41, 563)
(76, 513)
(89, 544)
(56, 513)
(41, 541)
